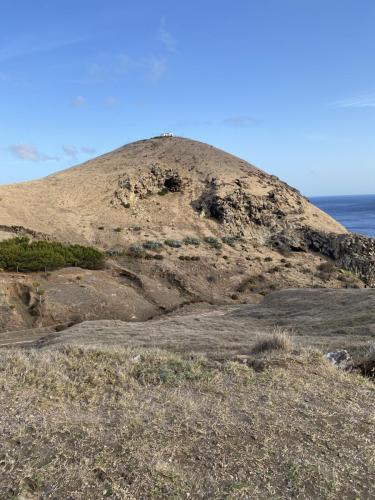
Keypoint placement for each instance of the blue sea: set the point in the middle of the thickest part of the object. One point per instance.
(356, 213)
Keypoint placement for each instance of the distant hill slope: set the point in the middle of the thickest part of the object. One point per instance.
(202, 184)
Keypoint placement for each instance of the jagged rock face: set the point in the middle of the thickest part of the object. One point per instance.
(239, 210)
(353, 252)
(155, 180)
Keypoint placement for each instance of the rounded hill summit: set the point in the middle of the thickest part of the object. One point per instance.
(168, 184)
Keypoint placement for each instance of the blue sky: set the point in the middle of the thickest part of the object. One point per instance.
(289, 85)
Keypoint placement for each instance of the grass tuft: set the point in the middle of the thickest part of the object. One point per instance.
(279, 340)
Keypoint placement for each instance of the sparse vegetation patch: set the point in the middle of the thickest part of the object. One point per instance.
(152, 245)
(230, 240)
(192, 240)
(136, 251)
(163, 191)
(213, 242)
(173, 243)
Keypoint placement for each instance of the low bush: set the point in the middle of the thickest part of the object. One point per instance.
(192, 240)
(153, 256)
(193, 258)
(230, 240)
(152, 245)
(21, 254)
(136, 251)
(173, 243)
(213, 242)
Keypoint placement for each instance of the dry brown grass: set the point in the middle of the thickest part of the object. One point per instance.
(92, 423)
(365, 363)
(278, 340)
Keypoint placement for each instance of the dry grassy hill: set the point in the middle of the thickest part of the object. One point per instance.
(201, 185)
(181, 223)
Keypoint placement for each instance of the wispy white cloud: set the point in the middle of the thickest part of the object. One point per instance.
(359, 101)
(156, 68)
(88, 151)
(29, 153)
(71, 151)
(79, 101)
(166, 38)
(26, 46)
(240, 121)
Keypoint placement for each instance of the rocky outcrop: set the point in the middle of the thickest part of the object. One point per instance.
(238, 210)
(341, 359)
(156, 180)
(352, 252)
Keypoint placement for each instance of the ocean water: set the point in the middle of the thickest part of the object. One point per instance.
(356, 213)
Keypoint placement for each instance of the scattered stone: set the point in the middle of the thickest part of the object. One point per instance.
(341, 359)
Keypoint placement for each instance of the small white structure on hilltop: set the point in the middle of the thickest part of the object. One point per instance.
(167, 134)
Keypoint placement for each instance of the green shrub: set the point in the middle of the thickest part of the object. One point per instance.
(152, 245)
(191, 240)
(163, 191)
(136, 251)
(173, 243)
(213, 242)
(230, 240)
(22, 255)
(136, 228)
